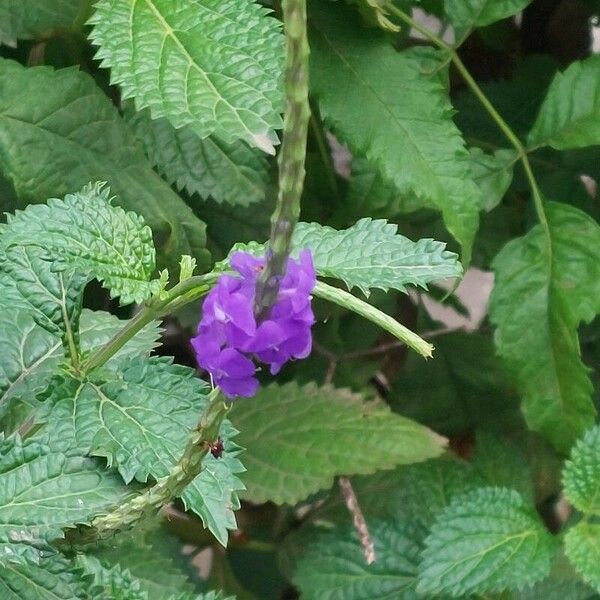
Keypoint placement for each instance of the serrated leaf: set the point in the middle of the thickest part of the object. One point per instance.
(334, 567)
(582, 547)
(85, 233)
(38, 572)
(372, 254)
(214, 65)
(115, 582)
(538, 302)
(581, 475)
(292, 451)
(570, 114)
(139, 421)
(488, 540)
(31, 355)
(232, 173)
(45, 490)
(428, 488)
(110, 583)
(150, 557)
(493, 174)
(28, 283)
(99, 327)
(27, 19)
(557, 589)
(466, 14)
(75, 136)
(386, 108)
(501, 464)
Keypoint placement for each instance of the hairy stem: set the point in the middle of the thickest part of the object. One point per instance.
(489, 107)
(389, 324)
(189, 466)
(291, 157)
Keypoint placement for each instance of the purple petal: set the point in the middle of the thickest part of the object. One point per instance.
(246, 265)
(246, 387)
(234, 364)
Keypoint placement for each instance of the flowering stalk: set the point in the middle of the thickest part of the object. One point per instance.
(292, 155)
(125, 516)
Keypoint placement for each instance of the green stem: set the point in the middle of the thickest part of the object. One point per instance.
(189, 466)
(489, 107)
(69, 337)
(364, 309)
(181, 294)
(292, 155)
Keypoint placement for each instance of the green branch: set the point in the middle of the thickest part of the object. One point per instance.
(292, 155)
(368, 311)
(188, 467)
(489, 107)
(181, 294)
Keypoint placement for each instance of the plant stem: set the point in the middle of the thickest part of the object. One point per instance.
(358, 519)
(347, 300)
(489, 107)
(292, 156)
(69, 337)
(182, 293)
(189, 466)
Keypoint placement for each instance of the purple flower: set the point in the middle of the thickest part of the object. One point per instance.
(229, 335)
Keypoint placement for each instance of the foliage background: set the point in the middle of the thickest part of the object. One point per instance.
(420, 151)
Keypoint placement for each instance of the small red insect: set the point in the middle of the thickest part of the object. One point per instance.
(216, 449)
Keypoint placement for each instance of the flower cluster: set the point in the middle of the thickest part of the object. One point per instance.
(229, 336)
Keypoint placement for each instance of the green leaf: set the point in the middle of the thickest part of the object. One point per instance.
(582, 547)
(517, 99)
(488, 540)
(464, 388)
(293, 451)
(27, 19)
(334, 567)
(232, 173)
(214, 65)
(29, 284)
(371, 254)
(466, 14)
(581, 475)
(426, 489)
(86, 233)
(58, 132)
(501, 464)
(369, 193)
(99, 327)
(558, 589)
(150, 557)
(386, 108)
(537, 304)
(38, 572)
(139, 421)
(45, 490)
(111, 583)
(493, 174)
(31, 355)
(570, 114)
(117, 582)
